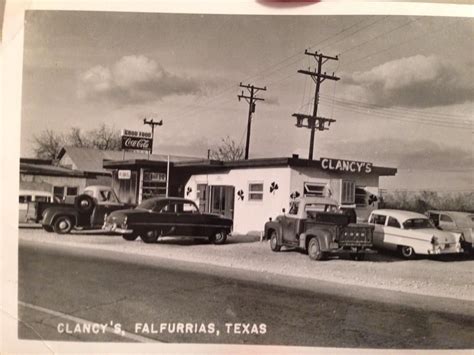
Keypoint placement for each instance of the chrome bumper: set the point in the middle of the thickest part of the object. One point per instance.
(116, 229)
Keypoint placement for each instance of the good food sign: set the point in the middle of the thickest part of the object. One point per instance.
(135, 140)
(348, 166)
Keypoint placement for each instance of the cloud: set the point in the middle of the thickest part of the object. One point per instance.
(409, 154)
(135, 79)
(418, 81)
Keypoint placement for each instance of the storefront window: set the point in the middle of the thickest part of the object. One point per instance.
(154, 185)
(348, 192)
(360, 196)
(255, 191)
(202, 196)
(71, 191)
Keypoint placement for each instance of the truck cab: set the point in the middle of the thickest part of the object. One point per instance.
(319, 227)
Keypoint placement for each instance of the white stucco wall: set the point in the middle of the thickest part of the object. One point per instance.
(66, 181)
(249, 216)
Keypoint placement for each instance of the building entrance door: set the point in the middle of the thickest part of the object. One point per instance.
(222, 200)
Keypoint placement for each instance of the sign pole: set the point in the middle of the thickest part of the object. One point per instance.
(167, 175)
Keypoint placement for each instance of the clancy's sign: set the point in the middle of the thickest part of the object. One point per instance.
(349, 166)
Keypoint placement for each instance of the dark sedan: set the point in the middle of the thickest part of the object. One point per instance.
(167, 217)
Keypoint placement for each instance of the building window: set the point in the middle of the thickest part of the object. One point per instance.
(360, 196)
(71, 191)
(154, 184)
(25, 198)
(314, 189)
(58, 192)
(255, 191)
(348, 192)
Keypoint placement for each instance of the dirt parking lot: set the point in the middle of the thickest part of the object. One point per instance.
(446, 276)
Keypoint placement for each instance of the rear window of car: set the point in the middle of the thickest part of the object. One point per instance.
(417, 223)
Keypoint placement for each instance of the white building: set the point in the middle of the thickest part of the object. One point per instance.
(252, 191)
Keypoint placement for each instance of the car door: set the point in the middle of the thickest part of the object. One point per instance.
(378, 221)
(394, 235)
(289, 223)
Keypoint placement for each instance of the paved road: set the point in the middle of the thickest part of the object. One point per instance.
(60, 290)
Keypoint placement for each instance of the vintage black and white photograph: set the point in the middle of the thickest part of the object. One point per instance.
(303, 181)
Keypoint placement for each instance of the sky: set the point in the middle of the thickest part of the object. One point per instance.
(404, 98)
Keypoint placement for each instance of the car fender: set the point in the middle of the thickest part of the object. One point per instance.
(273, 225)
(50, 214)
(324, 238)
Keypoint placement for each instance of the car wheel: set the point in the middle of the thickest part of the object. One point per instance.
(218, 238)
(48, 229)
(407, 252)
(274, 241)
(357, 256)
(84, 203)
(130, 237)
(149, 236)
(63, 225)
(314, 250)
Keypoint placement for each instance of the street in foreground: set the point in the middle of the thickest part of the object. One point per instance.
(60, 290)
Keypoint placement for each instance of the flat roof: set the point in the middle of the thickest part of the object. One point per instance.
(204, 165)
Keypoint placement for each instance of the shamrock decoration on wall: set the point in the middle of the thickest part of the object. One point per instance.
(240, 193)
(294, 195)
(372, 200)
(273, 187)
(188, 190)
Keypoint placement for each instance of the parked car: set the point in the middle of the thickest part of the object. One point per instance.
(174, 216)
(316, 225)
(412, 233)
(85, 211)
(452, 221)
(26, 200)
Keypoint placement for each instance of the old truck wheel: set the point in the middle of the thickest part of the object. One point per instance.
(63, 225)
(274, 241)
(149, 236)
(130, 237)
(48, 229)
(218, 238)
(407, 252)
(314, 250)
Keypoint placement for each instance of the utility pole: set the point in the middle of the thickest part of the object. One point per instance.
(313, 121)
(252, 99)
(152, 124)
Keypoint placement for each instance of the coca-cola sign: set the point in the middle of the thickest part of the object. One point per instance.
(136, 143)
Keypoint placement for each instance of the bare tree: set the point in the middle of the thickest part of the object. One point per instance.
(105, 138)
(48, 144)
(228, 150)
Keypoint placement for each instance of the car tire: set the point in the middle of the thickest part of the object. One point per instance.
(130, 237)
(406, 252)
(219, 237)
(63, 225)
(84, 203)
(274, 245)
(149, 236)
(314, 249)
(48, 229)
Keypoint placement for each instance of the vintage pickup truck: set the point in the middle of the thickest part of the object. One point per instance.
(316, 225)
(85, 211)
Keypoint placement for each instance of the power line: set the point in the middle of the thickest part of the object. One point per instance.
(414, 112)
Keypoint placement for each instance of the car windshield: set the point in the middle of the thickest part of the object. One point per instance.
(417, 223)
